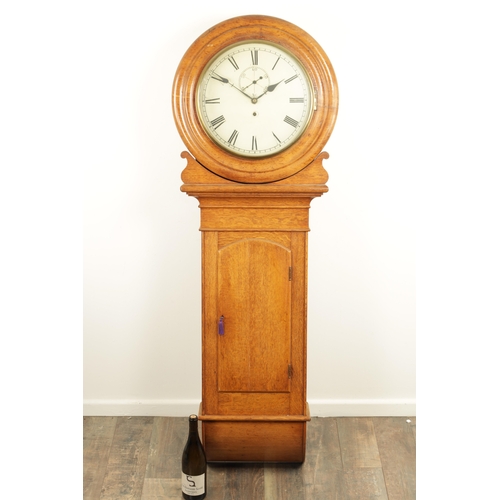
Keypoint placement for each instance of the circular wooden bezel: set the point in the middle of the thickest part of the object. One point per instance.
(284, 163)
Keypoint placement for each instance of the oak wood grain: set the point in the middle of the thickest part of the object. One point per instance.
(255, 287)
(209, 400)
(254, 441)
(298, 402)
(321, 74)
(254, 279)
(198, 180)
(254, 298)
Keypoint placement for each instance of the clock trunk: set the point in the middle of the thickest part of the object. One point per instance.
(254, 308)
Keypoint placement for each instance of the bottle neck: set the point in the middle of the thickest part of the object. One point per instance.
(193, 426)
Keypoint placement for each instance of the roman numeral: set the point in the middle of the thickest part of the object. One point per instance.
(255, 57)
(296, 100)
(254, 143)
(276, 137)
(234, 136)
(276, 62)
(291, 78)
(291, 121)
(218, 121)
(216, 100)
(233, 62)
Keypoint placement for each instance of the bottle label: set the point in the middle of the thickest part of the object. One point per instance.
(193, 485)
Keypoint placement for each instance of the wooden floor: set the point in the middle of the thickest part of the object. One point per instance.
(347, 459)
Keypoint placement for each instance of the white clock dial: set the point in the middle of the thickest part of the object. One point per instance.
(254, 99)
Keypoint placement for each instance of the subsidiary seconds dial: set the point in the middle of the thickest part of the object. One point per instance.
(254, 99)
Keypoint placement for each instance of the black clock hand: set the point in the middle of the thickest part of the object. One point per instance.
(219, 78)
(270, 88)
(225, 80)
(273, 86)
(244, 93)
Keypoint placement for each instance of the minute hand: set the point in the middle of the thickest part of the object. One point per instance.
(244, 93)
(270, 88)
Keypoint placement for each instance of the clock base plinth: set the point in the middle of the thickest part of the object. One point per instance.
(253, 438)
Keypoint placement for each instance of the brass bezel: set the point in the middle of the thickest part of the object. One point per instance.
(295, 61)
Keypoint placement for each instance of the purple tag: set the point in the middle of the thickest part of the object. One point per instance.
(221, 325)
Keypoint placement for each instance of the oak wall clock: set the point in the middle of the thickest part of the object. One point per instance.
(255, 101)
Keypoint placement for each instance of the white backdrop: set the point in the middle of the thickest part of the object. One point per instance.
(141, 240)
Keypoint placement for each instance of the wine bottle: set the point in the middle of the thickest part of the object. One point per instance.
(194, 464)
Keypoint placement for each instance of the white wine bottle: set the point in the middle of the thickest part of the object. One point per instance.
(194, 464)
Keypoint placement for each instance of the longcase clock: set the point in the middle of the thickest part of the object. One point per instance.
(255, 101)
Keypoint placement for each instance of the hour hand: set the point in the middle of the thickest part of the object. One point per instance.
(270, 88)
(273, 86)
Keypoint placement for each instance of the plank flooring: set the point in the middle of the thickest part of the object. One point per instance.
(138, 458)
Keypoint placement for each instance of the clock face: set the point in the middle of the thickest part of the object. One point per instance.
(254, 99)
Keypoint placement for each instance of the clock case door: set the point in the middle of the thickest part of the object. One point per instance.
(254, 307)
(254, 301)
